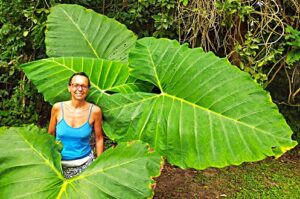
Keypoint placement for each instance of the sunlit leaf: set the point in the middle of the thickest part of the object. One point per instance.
(51, 77)
(30, 168)
(208, 113)
(73, 30)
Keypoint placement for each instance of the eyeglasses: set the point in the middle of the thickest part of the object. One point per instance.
(78, 86)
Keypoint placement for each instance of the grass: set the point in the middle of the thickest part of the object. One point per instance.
(266, 179)
(270, 178)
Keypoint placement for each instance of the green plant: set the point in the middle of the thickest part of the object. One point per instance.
(201, 101)
(32, 169)
(144, 17)
(228, 9)
(293, 39)
(22, 25)
(251, 60)
(90, 43)
(291, 74)
(201, 112)
(21, 105)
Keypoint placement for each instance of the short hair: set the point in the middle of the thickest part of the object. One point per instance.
(81, 74)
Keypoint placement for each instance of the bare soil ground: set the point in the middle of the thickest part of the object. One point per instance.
(227, 182)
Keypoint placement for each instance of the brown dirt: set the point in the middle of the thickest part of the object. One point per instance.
(176, 183)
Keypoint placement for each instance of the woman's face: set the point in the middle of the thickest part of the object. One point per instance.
(79, 87)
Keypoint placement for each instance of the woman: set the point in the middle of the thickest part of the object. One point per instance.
(72, 123)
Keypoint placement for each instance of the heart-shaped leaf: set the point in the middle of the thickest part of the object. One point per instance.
(30, 168)
(51, 77)
(74, 31)
(208, 114)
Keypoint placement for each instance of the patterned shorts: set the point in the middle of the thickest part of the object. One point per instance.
(70, 172)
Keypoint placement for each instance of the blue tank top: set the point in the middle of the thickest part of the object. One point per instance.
(76, 141)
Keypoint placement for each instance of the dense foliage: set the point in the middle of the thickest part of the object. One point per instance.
(22, 26)
(204, 112)
(260, 37)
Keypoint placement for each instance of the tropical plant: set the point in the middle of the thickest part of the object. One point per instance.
(205, 112)
(106, 77)
(96, 36)
(90, 31)
(293, 39)
(32, 169)
(22, 25)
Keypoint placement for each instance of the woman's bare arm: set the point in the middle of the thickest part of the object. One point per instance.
(53, 119)
(98, 130)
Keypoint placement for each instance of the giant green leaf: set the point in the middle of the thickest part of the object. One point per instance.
(208, 113)
(30, 168)
(73, 30)
(51, 76)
